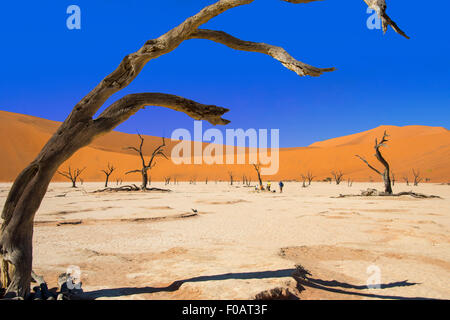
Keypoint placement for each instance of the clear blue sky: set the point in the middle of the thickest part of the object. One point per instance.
(46, 68)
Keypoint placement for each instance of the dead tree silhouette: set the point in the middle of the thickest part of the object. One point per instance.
(338, 176)
(147, 166)
(107, 173)
(257, 167)
(417, 177)
(308, 177)
(386, 173)
(72, 175)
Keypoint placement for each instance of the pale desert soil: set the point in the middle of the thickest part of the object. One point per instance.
(149, 246)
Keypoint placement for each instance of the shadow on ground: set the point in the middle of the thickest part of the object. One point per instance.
(302, 283)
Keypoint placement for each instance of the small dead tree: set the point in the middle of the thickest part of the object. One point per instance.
(308, 177)
(83, 125)
(338, 176)
(257, 167)
(349, 182)
(206, 180)
(406, 179)
(304, 181)
(230, 174)
(107, 173)
(386, 173)
(393, 178)
(166, 180)
(417, 177)
(146, 166)
(72, 175)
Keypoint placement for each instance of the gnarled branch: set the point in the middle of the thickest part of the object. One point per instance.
(278, 53)
(125, 107)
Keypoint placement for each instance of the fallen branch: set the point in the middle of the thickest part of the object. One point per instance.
(374, 193)
(129, 188)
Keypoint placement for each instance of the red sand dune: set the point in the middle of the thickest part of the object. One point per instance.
(420, 147)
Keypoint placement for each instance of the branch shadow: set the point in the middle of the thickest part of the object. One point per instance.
(302, 282)
(339, 287)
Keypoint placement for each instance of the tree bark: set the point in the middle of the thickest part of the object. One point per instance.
(144, 179)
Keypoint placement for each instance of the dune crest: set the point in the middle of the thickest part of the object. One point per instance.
(420, 147)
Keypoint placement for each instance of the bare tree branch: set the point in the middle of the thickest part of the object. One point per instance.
(365, 161)
(275, 52)
(125, 107)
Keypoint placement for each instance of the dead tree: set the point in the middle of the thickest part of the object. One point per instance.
(308, 177)
(230, 174)
(166, 180)
(338, 176)
(393, 178)
(72, 175)
(349, 182)
(386, 175)
(206, 180)
(406, 179)
(417, 177)
(82, 126)
(257, 167)
(107, 173)
(304, 181)
(146, 166)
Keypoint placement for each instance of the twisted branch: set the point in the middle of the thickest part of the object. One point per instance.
(278, 53)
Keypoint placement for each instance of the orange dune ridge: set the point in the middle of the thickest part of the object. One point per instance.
(420, 147)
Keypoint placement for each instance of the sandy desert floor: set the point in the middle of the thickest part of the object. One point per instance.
(241, 243)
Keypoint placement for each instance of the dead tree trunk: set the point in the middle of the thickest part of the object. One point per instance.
(257, 167)
(230, 174)
(406, 179)
(146, 166)
(417, 177)
(72, 175)
(107, 173)
(81, 127)
(386, 173)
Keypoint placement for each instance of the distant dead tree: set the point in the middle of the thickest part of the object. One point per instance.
(72, 175)
(167, 180)
(338, 176)
(206, 180)
(386, 175)
(85, 123)
(146, 166)
(107, 173)
(393, 178)
(308, 177)
(230, 174)
(193, 180)
(304, 181)
(349, 182)
(118, 181)
(245, 180)
(257, 167)
(417, 177)
(406, 179)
